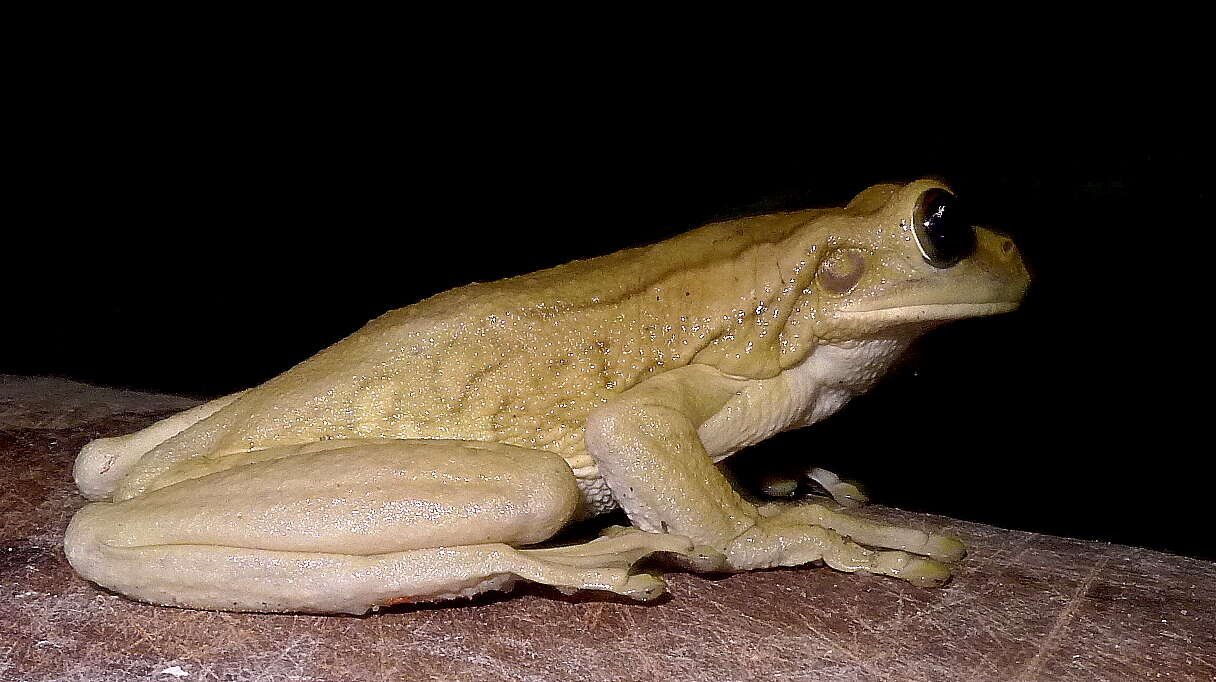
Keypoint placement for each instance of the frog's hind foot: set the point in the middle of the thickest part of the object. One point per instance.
(604, 564)
(615, 552)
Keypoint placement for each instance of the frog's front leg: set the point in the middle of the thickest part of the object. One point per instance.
(648, 450)
(344, 526)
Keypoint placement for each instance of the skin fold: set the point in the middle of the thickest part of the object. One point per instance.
(426, 455)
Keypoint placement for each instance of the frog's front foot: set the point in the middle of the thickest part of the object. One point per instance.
(791, 535)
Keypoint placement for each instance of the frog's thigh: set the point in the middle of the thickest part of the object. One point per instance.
(350, 528)
(357, 497)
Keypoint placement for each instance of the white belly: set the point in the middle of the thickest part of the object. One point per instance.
(802, 395)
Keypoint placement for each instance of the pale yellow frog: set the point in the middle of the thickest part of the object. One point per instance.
(417, 459)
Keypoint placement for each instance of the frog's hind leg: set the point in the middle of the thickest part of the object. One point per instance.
(356, 526)
(103, 462)
(220, 578)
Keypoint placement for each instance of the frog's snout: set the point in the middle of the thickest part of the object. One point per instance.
(997, 248)
(1001, 255)
(1010, 257)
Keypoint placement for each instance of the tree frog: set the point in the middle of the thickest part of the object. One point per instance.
(426, 456)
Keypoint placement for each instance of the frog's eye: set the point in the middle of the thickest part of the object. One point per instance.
(943, 232)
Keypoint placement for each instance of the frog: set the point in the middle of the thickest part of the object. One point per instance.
(431, 454)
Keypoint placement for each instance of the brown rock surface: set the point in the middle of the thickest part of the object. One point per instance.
(1023, 606)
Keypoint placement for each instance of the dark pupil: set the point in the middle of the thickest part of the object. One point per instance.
(944, 232)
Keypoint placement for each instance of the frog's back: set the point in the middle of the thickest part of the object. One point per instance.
(521, 360)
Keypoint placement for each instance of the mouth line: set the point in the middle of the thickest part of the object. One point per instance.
(980, 308)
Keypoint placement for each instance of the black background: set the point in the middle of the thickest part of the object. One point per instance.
(199, 241)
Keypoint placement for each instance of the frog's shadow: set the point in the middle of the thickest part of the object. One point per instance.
(523, 590)
(481, 600)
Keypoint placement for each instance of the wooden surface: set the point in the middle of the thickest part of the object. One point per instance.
(1022, 607)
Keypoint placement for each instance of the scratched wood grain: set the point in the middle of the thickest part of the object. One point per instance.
(1023, 607)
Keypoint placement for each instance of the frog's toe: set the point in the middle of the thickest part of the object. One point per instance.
(778, 485)
(923, 572)
(944, 548)
(846, 494)
(849, 495)
(643, 587)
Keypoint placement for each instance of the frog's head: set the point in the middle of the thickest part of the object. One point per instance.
(903, 258)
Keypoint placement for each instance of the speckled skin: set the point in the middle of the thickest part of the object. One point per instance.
(418, 454)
